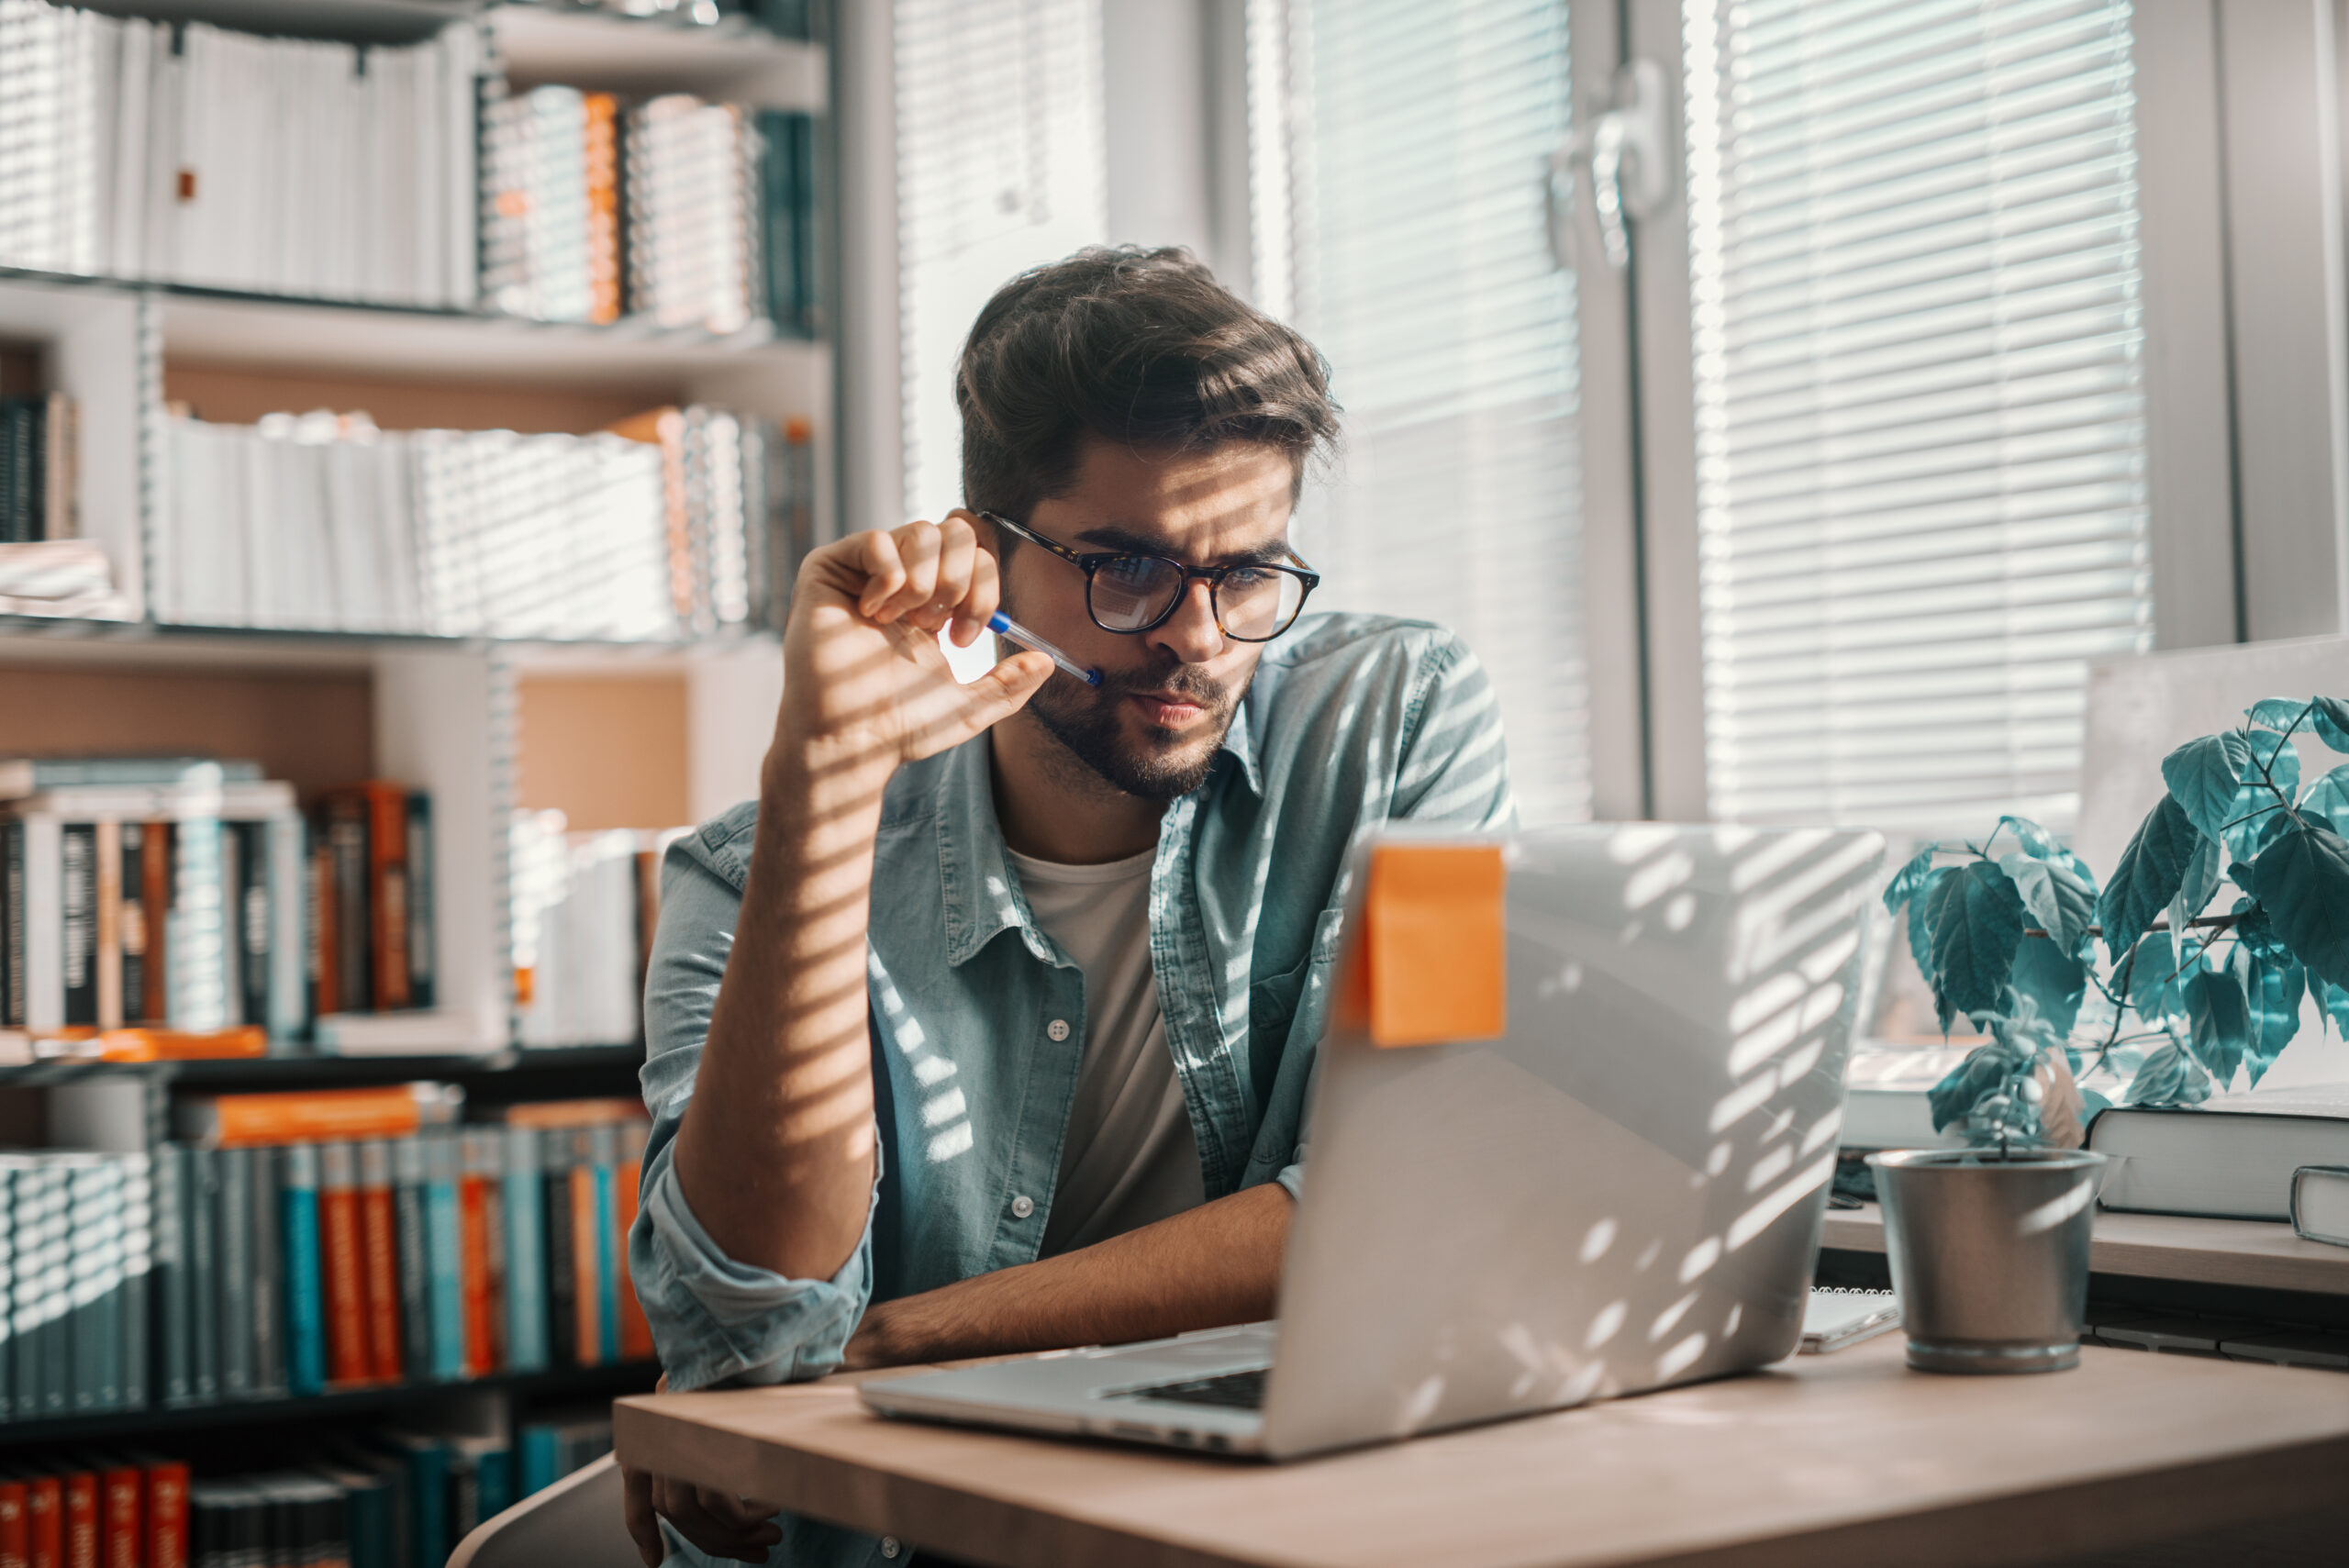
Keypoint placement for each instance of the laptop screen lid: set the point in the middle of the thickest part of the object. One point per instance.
(1622, 1186)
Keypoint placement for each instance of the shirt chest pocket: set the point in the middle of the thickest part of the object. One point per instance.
(1274, 1003)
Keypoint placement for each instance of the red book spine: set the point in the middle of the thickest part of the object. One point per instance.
(15, 1529)
(636, 1334)
(348, 1359)
(45, 1521)
(381, 1265)
(121, 1489)
(587, 1290)
(473, 1217)
(166, 1514)
(81, 1528)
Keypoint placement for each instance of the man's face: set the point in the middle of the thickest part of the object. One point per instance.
(1167, 696)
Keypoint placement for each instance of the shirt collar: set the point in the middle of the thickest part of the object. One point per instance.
(981, 894)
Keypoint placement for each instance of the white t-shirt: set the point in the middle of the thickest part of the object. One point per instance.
(1130, 1157)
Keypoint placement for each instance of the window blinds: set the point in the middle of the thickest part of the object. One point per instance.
(1919, 422)
(999, 168)
(1416, 135)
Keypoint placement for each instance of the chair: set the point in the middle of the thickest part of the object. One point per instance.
(575, 1522)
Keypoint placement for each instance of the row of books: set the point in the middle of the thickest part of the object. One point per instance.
(40, 456)
(183, 153)
(221, 1268)
(192, 897)
(585, 908)
(680, 522)
(686, 212)
(381, 1498)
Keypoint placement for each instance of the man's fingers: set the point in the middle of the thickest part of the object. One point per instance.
(958, 549)
(884, 572)
(681, 1505)
(1005, 690)
(918, 546)
(746, 1514)
(979, 600)
(636, 1507)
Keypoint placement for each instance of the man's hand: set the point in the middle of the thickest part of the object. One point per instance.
(720, 1525)
(865, 685)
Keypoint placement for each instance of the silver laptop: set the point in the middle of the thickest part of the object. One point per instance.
(1621, 1191)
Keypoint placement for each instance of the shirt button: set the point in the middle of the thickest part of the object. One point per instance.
(1057, 1028)
(890, 1547)
(1022, 1206)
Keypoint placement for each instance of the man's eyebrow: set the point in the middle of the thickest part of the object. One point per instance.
(1108, 536)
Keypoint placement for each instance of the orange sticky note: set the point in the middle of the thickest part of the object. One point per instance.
(1435, 918)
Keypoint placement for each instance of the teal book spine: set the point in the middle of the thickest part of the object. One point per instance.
(134, 1311)
(53, 1315)
(173, 1381)
(306, 1321)
(444, 1253)
(427, 1458)
(93, 1225)
(233, 1230)
(536, 1457)
(29, 1237)
(203, 1199)
(7, 1291)
(526, 1253)
(605, 1155)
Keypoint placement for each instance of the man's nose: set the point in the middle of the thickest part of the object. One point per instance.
(1191, 633)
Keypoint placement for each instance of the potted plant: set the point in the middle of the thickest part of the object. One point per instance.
(2139, 980)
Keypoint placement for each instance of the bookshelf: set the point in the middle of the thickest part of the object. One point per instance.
(641, 733)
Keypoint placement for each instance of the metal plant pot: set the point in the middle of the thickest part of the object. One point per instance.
(1990, 1254)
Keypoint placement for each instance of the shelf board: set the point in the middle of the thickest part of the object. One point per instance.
(734, 60)
(44, 639)
(626, 1377)
(2261, 1254)
(600, 1066)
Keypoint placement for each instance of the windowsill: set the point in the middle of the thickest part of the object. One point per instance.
(2264, 1254)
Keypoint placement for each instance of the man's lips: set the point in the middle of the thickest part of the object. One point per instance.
(1171, 712)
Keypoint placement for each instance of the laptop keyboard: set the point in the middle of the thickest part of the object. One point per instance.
(1229, 1391)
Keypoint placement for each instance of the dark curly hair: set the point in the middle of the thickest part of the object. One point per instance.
(1139, 347)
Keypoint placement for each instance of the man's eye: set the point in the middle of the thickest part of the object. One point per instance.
(1130, 571)
(1242, 579)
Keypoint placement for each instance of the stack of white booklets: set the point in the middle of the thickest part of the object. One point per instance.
(550, 191)
(585, 905)
(693, 256)
(273, 165)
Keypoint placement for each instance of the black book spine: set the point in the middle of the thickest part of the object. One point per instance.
(563, 1302)
(12, 925)
(8, 472)
(203, 1197)
(133, 923)
(415, 1257)
(78, 857)
(421, 939)
(250, 924)
(353, 925)
(32, 473)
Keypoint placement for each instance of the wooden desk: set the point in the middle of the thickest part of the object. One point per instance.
(1848, 1458)
(2255, 1252)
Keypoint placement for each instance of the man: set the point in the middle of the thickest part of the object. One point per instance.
(988, 1026)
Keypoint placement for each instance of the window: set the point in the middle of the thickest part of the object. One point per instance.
(1920, 420)
(1401, 191)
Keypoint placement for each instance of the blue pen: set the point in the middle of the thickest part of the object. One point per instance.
(1004, 625)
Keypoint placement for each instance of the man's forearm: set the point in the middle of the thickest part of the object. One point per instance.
(1215, 1264)
(775, 1150)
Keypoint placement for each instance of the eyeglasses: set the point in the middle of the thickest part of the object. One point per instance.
(1130, 593)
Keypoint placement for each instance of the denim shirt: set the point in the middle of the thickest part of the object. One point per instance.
(978, 1017)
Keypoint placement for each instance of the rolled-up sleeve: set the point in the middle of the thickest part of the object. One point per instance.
(716, 1319)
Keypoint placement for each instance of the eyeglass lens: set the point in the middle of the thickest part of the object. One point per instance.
(1133, 592)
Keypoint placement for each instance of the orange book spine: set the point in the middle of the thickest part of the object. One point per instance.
(314, 1116)
(636, 1334)
(385, 808)
(472, 1230)
(602, 208)
(109, 841)
(155, 903)
(15, 1529)
(45, 1521)
(348, 1360)
(121, 1491)
(166, 1514)
(586, 1292)
(380, 1265)
(80, 1511)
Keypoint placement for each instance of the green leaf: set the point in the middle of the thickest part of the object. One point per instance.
(2038, 841)
(2336, 1004)
(1968, 1083)
(1909, 879)
(2302, 882)
(2201, 879)
(2150, 872)
(2169, 1077)
(2063, 905)
(2153, 971)
(2221, 1020)
(2272, 985)
(2328, 798)
(2277, 713)
(2204, 776)
(2054, 980)
(2333, 722)
(1920, 919)
(1976, 924)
